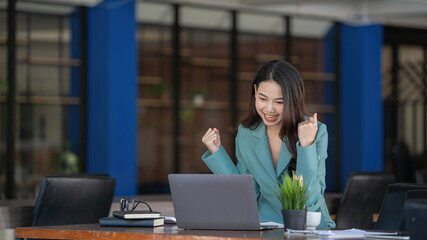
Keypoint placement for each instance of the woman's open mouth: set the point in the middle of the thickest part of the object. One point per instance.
(270, 118)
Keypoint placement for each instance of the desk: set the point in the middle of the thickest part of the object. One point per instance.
(167, 232)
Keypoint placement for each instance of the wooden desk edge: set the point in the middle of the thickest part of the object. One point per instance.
(40, 233)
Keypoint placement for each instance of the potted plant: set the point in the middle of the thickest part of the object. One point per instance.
(293, 196)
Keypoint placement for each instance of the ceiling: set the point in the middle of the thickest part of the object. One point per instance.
(409, 13)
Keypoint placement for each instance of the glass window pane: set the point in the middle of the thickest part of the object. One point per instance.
(47, 116)
(205, 94)
(310, 28)
(258, 23)
(154, 13)
(309, 55)
(155, 112)
(205, 18)
(411, 97)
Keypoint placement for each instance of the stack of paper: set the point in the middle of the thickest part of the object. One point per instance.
(348, 233)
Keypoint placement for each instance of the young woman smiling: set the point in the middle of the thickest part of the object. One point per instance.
(276, 136)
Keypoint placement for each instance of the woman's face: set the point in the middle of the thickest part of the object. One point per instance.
(269, 102)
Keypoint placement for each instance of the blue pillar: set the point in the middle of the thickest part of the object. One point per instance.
(112, 86)
(361, 104)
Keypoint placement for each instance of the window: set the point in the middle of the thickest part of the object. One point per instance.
(47, 95)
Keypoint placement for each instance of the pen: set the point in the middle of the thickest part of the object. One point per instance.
(387, 236)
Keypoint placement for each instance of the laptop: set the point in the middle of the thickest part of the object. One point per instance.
(215, 201)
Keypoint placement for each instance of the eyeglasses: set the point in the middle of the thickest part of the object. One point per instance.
(127, 204)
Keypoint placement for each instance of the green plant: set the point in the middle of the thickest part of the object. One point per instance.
(292, 192)
(67, 161)
(159, 88)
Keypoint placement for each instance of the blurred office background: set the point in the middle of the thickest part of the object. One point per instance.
(129, 87)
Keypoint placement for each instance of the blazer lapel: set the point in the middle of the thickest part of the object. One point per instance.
(284, 159)
(263, 150)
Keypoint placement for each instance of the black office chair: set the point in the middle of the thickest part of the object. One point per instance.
(362, 197)
(391, 216)
(416, 218)
(73, 199)
(413, 194)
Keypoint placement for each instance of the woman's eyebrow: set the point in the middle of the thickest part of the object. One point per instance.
(279, 98)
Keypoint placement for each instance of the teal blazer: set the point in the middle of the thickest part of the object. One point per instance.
(254, 158)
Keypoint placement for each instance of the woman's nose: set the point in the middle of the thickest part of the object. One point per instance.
(270, 107)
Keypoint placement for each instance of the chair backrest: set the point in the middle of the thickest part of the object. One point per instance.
(416, 194)
(362, 197)
(413, 194)
(391, 216)
(73, 199)
(416, 218)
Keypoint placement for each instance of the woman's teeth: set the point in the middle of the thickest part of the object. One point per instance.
(270, 118)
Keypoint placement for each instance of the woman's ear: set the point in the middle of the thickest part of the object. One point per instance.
(255, 89)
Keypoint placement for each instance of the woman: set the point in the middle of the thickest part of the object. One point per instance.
(276, 136)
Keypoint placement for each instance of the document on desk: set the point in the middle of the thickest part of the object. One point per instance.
(169, 220)
(272, 225)
(348, 233)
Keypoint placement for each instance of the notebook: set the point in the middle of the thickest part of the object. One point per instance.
(114, 221)
(136, 214)
(215, 201)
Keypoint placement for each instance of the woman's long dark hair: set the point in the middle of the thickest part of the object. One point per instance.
(294, 110)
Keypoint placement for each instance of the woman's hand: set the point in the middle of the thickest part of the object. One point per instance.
(307, 131)
(212, 140)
